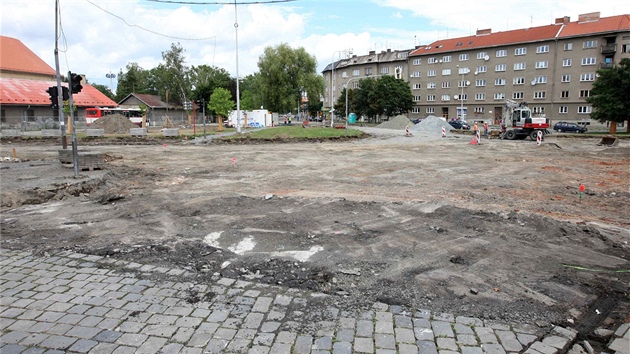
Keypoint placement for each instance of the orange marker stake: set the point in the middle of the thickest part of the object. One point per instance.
(582, 189)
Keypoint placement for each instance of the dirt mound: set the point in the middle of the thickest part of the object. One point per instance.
(398, 122)
(114, 124)
(432, 125)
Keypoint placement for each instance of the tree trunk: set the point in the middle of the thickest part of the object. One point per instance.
(613, 128)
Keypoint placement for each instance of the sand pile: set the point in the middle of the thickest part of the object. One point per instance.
(431, 125)
(114, 124)
(398, 122)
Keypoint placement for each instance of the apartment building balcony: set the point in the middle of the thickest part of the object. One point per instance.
(609, 48)
(607, 65)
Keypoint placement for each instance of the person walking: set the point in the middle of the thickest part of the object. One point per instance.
(485, 129)
(475, 128)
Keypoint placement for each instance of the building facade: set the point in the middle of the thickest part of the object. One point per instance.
(552, 68)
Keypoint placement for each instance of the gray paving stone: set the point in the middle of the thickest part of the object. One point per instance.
(224, 333)
(152, 345)
(265, 339)
(303, 345)
(403, 321)
(405, 335)
(171, 348)
(423, 334)
(123, 349)
(486, 335)
(12, 349)
(262, 304)
(497, 325)
(386, 341)
(491, 348)
(526, 339)
(83, 332)
(216, 346)
(253, 320)
(622, 330)
(427, 347)
(421, 322)
(14, 337)
(323, 343)
(542, 348)
(286, 337)
(442, 329)
(469, 321)
(444, 317)
(160, 330)
(407, 349)
(363, 345)
(132, 339)
(342, 348)
(83, 346)
(467, 340)
(365, 328)
(58, 342)
(556, 341)
(462, 329)
(34, 339)
(238, 345)
(471, 350)
(345, 335)
(107, 336)
(567, 333)
(218, 316)
(446, 344)
(620, 345)
(386, 327)
(508, 341)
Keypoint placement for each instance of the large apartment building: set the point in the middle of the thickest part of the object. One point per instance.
(552, 68)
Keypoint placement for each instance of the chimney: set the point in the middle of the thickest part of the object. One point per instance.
(589, 17)
(563, 20)
(481, 32)
(372, 52)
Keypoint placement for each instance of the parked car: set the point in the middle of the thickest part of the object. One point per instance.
(458, 124)
(569, 127)
(416, 121)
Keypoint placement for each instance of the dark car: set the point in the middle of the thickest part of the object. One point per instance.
(458, 124)
(569, 127)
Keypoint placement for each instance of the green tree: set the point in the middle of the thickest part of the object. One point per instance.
(133, 80)
(221, 102)
(394, 96)
(366, 99)
(205, 79)
(172, 75)
(104, 90)
(610, 95)
(284, 73)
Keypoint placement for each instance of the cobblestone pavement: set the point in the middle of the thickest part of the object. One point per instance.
(75, 303)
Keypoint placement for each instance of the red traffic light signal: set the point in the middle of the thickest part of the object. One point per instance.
(53, 94)
(75, 83)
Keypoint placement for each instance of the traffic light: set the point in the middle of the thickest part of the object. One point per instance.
(65, 95)
(54, 97)
(75, 83)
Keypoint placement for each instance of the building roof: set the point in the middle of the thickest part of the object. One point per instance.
(152, 101)
(588, 24)
(15, 56)
(33, 92)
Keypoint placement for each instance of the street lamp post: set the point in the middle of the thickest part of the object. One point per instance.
(332, 85)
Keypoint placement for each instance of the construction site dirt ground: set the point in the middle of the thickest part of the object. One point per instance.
(496, 230)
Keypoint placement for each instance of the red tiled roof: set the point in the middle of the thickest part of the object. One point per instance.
(533, 34)
(15, 56)
(33, 92)
(152, 101)
(605, 24)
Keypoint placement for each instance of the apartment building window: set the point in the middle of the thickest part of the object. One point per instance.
(564, 94)
(431, 73)
(464, 57)
(463, 83)
(446, 72)
(446, 84)
(482, 69)
(415, 110)
(585, 93)
(355, 84)
(431, 60)
(479, 109)
(447, 58)
(517, 95)
(385, 70)
(544, 64)
(431, 85)
(417, 62)
(368, 71)
(481, 55)
(584, 109)
(415, 74)
(566, 78)
(518, 81)
(499, 67)
(344, 74)
(480, 97)
(499, 82)
(590, 44)
(416, 98)
(538, 110)
(567, 62)
(501, 53)
(480, 83)
(587, 77)
(539, 95)
(563, 110)
(568, 46)
(519, 66)
(446, 97)
(541, 79)
(431, 98)
(356, 72)
(463, 97)
(499, 96)
(520, 51)
(430, 110)
(417, 86)
(588, 61)
(625, 48)
(542, 49)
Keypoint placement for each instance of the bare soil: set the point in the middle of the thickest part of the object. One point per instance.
(496, 230)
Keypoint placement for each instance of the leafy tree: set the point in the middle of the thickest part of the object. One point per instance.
(205, 79)
(247, 101)
(172, 75)
(104, 90)
(366, 98)
(221, 102)
(284, 74)
(610, 95)
(134, 80)
(394, 96)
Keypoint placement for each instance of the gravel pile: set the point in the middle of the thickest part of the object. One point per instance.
(398, 122)
(431, 125)
(114, 124)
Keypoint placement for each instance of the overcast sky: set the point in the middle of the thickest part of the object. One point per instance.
(102, 36)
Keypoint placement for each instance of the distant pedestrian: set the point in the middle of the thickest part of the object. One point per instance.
(289, 120)
(485, 129)
(475, 128)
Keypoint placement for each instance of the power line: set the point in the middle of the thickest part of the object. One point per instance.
(219, 2)
(148, 30)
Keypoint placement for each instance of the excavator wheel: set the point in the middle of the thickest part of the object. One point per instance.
(533, 135)
(510, 135)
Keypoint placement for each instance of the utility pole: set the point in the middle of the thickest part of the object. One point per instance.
(64, 142)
